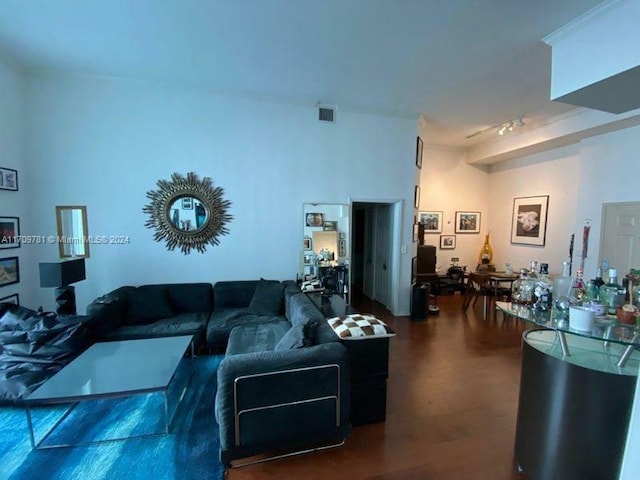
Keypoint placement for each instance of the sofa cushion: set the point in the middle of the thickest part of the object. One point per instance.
(302, 310)
(257, 337)
(183, 324)
(148, 303)
(298, 336)
(267, 299)
(359, 326)
(222, 322)
(233, 294)
(191, 297)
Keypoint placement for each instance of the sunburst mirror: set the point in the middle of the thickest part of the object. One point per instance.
(187, 212)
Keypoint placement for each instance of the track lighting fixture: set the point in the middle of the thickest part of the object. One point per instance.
(502, 128)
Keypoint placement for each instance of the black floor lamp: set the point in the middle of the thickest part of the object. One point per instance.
(61, 275)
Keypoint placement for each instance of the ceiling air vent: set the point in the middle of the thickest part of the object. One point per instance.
(326, 114)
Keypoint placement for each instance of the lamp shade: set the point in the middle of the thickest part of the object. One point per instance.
(60, 274)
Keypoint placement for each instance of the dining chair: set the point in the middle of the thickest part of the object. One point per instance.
(478, 284)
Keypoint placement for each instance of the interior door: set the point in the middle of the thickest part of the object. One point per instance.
(620, 240)
(382, 254)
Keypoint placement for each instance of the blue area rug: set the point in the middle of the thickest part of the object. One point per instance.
(189, 452)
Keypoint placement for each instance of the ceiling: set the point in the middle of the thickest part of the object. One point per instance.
(463, 64)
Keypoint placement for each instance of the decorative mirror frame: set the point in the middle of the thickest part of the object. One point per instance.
(180, 187)
(72, 236)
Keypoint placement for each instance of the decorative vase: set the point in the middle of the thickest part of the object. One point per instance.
(486, 252)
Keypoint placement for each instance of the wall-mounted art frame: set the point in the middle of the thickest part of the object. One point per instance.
(307, 243)
(467, 222)
(8, 179)
(419, 148)
(187, 203)
(330, 225)
(529, 220)
(342, 248)
(9, 271)
(414, 269)
(416, 197)
(432, 221)
(416, 232)
(314, 219)
(15, 299)
(447, 242)
(9, 232)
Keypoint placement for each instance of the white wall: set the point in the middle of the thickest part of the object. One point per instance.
(449, 184)
(14, 204)
(104, 143)
(555, 174)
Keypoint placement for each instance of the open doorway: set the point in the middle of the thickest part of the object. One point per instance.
(373, 263)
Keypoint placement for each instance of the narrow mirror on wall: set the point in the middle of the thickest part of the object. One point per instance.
(325, 245)
(72, 231)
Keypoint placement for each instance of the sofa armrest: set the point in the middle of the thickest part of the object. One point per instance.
(277, 399)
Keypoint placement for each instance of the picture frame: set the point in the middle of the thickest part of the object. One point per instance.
(529, 220)
(9, 271)
(416, 197)
(467, 222)
(308, 258)
(8, 179)
(307, 243)
(414, 269)
(416, 232)
(342, 248)
(432, 221)
(329, 225)
(419, 149)
(447, 242)
(187, 203)
(314, 219)
(9, 232)
(15, 299)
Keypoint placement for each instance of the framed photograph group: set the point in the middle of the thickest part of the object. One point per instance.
(529, 220)
(432, 221)
(9, 271)
(467, 222)
(8, 179)
(9, 232)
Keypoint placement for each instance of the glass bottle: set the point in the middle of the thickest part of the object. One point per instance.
(611, 293)
(543, 289)
(522, 289)
(533, 269)
(562, 283)
(577, 288)
(486, 252)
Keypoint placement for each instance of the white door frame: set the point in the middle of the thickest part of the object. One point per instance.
(397, 206)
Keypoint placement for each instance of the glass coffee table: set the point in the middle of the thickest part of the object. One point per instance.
(117, 369)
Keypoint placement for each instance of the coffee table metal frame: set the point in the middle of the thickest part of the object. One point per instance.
(172, 352)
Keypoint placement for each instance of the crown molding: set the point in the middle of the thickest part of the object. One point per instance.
(580, 21)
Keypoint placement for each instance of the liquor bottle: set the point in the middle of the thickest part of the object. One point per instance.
(611, 293)
(543, 289)
(577, 288)
(533, 270)
(486, 252)
(562, 283)
(522, 289)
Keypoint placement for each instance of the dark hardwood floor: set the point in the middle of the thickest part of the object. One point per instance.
(451, 405)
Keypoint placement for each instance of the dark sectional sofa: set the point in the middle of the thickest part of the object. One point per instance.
(284, 382)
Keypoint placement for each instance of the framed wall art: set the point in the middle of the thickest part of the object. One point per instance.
(15, 299)
(529, 220)
(306, 243)
(432, 221)
(467, 222)
(9, 232)
(8, 179)
(419, 148)
(416, 232)
(9, 271)
(447, 242)
(314, 219)
(329, 225)
(416, 197)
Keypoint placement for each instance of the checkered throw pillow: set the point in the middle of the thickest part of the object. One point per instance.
(359, 326)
